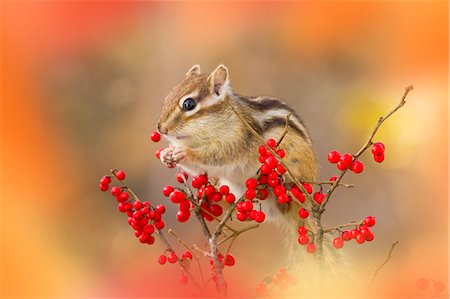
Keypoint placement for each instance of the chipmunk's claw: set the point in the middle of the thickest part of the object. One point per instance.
(172, 155)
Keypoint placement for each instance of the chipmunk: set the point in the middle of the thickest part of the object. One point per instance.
(206, 135)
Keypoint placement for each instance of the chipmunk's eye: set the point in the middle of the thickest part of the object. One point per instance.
(189, 104)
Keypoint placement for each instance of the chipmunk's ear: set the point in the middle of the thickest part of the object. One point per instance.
(195, 70)
(218, 80)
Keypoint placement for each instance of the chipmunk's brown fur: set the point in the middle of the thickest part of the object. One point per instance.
(211, 138)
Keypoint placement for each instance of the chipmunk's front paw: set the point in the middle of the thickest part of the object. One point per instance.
(172, 155)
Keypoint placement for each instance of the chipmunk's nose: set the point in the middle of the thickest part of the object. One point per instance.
(162, 129)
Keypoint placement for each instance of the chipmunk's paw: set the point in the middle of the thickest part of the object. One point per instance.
(172, 155)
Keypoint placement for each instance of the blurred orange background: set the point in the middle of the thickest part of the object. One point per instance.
(82, 87)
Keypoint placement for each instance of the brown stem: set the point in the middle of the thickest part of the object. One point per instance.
(330, 183)
(378, 268)
(286, 128)
(338, 227)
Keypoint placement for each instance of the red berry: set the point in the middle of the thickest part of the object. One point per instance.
(281, 153)
(338, 243)
(250, 193)
(241, 216)
(283, 198)
(308, 187)
(354, 233)
(177, 197)
(260, 217)
(263, 179)
(273, 183)
(297, 194)
(229, 260)
(341, 165)
(271, 162)
(279, 190)
(247, 206)
(159, 224)
(334, 157)
(230, 198)
(422, 283)
(357, 166)
(160, 209)
(162, 259)
(251, 183)
(262, 194)
(346, 235)
(438, 286)
(360, 238)
(302, 230)
(311, 247)
(155, 137)
(120, 175)
(182, 177)
(369, 221)
(216, 210)
(197, 182)
(261, 288)
(271, 142)
(186, 255)
(281, 169)
(303, 239)
(379, 158)
(172, 258)
(158, 153)
(149, 229)
(319, 197)
(378, 149)
(167, 190)
(333, 178)
(347, 159)
(265, 169)
(123, 196)
(183, 279)
(262, 150)
(369, 236)
(210, 191)
(302, 213)
(104, 187)
(224, 190)
(115, 191)
(105, 180)
(183, 216)
(184, 205)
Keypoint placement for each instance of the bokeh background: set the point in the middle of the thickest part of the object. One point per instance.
(82, 87)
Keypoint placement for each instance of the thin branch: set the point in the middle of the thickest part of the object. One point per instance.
(286, 129)
(330, 183)
(171, 232)
(237, 233)
(365, 146)
(338, 227)
(378, 268)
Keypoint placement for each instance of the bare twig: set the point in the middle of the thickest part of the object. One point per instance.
(330, 183)
(286, 128)
(338, 227)
(378, 268)
(171, 232)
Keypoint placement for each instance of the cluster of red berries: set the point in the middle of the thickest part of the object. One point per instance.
(228, 260)
(142, 217)
(345, 161)
(361, 234)
(281, 279)
(378, 152)
(304, 239)
(172, 258)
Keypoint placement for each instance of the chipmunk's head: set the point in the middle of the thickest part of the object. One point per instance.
(193, 104)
